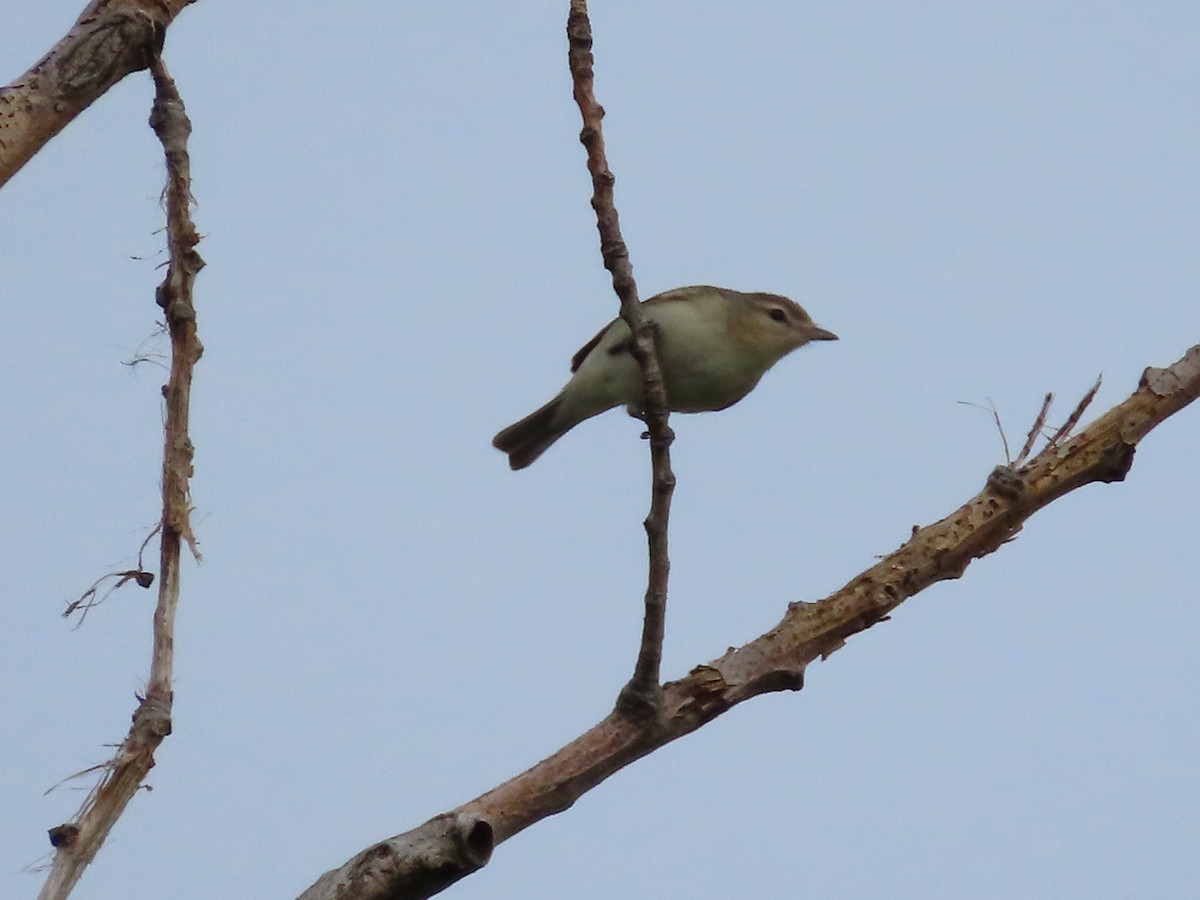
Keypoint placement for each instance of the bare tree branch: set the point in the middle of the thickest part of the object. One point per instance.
(77, 842)
(641, 696)
(776, 660)
(111, 39)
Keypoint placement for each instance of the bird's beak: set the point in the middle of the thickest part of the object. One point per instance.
(820, 334)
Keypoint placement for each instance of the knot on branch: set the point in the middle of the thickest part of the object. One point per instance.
(170, 122)
(1116, 463)
(664, 439)
(108, 48)
(64, 836)
(416, 864)
(641, 704)
(579, 29)
(154, 716)
(1007, 482)
(613, 250)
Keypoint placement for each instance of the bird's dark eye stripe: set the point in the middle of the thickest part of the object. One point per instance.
(778, 314)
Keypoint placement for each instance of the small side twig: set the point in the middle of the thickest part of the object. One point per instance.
(642, 695)
(1038, 424)
(77, 842)
(91, 597)
(147, 352)
(991, 407)
(1076, 414)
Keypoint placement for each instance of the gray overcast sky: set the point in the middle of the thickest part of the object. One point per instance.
(985, 200)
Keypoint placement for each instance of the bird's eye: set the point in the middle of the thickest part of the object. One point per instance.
(778, 314)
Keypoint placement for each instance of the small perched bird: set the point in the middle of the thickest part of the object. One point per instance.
(713, 344)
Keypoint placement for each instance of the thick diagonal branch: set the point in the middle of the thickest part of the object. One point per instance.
(109, 40)
(776, 660)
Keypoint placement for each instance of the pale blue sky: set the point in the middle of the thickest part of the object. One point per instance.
(986, 200)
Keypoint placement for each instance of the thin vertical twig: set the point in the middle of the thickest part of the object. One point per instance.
(641, 695)
(77, 842)
(171, 124)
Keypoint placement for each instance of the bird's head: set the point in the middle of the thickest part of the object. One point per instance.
(773, 326)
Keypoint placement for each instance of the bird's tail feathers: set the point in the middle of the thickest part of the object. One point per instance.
(528, 439)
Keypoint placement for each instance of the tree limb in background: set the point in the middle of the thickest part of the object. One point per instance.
(641, 697)
(109, 40)
(78, 841)
(776, 660)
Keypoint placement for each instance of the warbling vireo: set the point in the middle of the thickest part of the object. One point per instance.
(714, 345)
